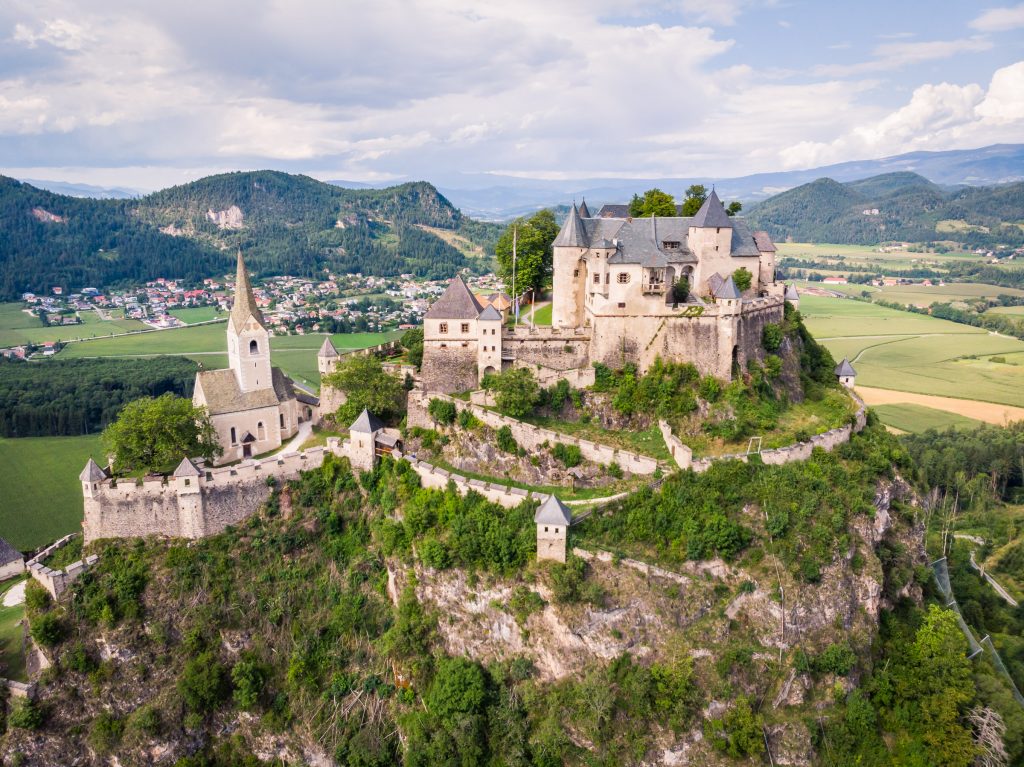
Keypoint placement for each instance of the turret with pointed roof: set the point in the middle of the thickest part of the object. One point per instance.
(245, 302)
(572, 234)
(552, 519)
(712, 214)
(584, 210)
(92, 472)
(327, 348)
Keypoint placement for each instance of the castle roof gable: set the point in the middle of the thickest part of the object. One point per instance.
(456, 303)
(92, 472)
(764, 242)
(844, 368)
(572, 233)
(791, 293)
(490, 314)
(222, 394)
(366, 423)
(327, 349)
(584, 210)
(245, 302)
(187, 469)
(712, 214)
(727, 290)
(8, 553)
(553, 512)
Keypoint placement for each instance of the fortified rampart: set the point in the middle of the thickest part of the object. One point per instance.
(799, 451)
(438, 478)
(528, 436)
(57, 581)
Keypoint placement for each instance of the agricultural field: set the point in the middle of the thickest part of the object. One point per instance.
(17, 327)
(1014, 311)
(206, 344)
(193, 314)
(915, 418)
(867, 255)
(42, 497)
(915, 353)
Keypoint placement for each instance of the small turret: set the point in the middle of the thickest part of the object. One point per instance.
(91, 477)
(553, 519)
(363, 433)
(793, 296)
(327, 357)
(845, 373)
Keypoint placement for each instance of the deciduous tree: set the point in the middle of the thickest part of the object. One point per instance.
(154, 434)
(533, 239)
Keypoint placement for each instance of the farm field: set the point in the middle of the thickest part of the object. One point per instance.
(194, 314)
(206, 344)
(915, 353)
(915, 418)
(1016, 311)
(919, 295)
(17, 327)
(865, 254)
(42, 498)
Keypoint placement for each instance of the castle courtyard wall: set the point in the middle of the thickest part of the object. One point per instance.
(450, 368)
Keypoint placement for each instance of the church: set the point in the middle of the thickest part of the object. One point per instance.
(253, 406)
(626, 291)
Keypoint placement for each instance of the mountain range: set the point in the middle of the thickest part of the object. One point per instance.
(286, 224)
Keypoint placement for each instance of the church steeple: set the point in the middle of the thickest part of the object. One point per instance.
(245, 302)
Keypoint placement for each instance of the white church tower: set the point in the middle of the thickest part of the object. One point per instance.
(248, 339)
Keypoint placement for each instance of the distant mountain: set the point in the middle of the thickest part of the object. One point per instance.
(893, 206)
(497, 198)
(85, 190)
(286, 224)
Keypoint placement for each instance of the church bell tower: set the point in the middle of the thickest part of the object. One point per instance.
(248, 339)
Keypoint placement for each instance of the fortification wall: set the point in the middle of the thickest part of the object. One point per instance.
(681, 454)
(450, 368)
(57, 581)
(528, 436)
(435, 477)
(555, 349)
(167, 506)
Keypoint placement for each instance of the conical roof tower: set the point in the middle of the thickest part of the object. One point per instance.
(245, 302)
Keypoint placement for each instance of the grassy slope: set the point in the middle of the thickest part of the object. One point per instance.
(42, 498)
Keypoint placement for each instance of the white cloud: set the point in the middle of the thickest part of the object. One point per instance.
(1000, 19)
(891, 56)
(938, 116)
(60, 33)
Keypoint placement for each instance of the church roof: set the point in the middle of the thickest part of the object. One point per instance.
(764, 242)
(457, 303)
(712, 214)
(218, 390)
(327, 349)
(8, 553)
(92, 472)
(490, 313)
(844, 368)
(245, 302)
(584, 210)
(366, 423)
(572, 234)
(727, 290)
(187, 469)
(553, 512)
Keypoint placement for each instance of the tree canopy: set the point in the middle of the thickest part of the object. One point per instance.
(154, 434)
(654, 203)
(366, 385)
(534, 236)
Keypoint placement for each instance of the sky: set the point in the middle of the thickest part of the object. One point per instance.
(145, 95)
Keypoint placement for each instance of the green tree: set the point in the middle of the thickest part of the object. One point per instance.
(654, 203)
(533, 237)
(516, 392)
(154, 434)
(696, 194)
(412, 342)
(681, 290)
(442, 411)
(743, 279)
(204, 682)
(366, 385)
(733, 208)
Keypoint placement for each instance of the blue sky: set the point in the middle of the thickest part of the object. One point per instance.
(116, 92)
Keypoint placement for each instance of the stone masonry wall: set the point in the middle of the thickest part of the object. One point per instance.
(528, 436)
(435, 477)
(450, 369)
(57, 581)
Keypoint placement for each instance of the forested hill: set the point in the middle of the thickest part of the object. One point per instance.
(910, 208)
(286, 224)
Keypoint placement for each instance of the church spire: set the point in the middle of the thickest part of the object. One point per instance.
(245, 302)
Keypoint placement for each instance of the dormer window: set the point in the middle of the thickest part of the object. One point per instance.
(670, 245)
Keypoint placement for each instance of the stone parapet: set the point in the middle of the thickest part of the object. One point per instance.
(435, 477)
(57, 581)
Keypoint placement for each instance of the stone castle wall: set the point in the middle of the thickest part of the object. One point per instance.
(550, 348)
(528, 436)
(435, 477)
(57, 581)
(451, 368)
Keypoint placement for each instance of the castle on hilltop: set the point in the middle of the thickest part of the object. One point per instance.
(253, 406)
(625, 291)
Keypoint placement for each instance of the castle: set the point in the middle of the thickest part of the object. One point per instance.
(625, 291)
(253, 406)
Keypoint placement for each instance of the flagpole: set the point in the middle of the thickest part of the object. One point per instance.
(515, 233)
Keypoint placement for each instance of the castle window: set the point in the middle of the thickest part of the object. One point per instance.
(607, 278)
(465, 327)
(442, 328)
(718, 231)
(234, 441)
(282, 420)
(597, 279)
(545, 528)
(670, 245)
(260, 431)
(716, 247)
(622, 305)
(622, 278)
(465, 343)
(254, 348)
(187, 481)
(575, 272)
(444, 346)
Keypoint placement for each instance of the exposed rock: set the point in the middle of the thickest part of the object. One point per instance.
(229, 218)
(41, 214)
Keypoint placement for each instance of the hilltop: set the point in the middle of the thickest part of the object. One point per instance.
(287, 224)
(892, 206)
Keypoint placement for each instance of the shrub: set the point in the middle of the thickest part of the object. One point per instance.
(836, 659)
(568, 582)
(506, 441)
(37, 598)
(467, 420)
(710, 388)
(27, 715)
(615, 470)
(459, 688)
(516, 392)
(738, 732)
(743, 279)
(145, 719)
(78, 659)
(434, 554)
(442, 411)
(204, 682)
(249, 677)
(48, 629)
(105, 732)
(524, 602)
(771, 336)
(569, 455)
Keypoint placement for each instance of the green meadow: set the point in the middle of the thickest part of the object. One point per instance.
(42, 498)
(12, 659)
(17, 327)
(916, 418)
(915, 353)
(193, 314)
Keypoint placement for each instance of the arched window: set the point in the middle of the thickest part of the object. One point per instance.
(234, 441)
(260, 431)
(254, 348)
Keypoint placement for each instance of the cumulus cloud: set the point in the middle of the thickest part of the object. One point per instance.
(1000, 19)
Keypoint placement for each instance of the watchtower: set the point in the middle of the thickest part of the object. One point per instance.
(553, 519)
(363, 435)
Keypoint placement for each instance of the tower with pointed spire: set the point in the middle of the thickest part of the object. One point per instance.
(568, 251)
(253, 405)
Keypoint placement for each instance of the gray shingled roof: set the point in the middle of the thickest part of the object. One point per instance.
(489, 313)
(9, 554)
(553, 512)
(245, 302)
(727, 290)
(844, 368)
(584, 210)
(764, 242)
(222, 394)
(92, 472)
(457, 303)
(327, 349)
(613, 210)
(187, 469)
(712, 214)
(791, 293)
(572, 233)
(366, 423)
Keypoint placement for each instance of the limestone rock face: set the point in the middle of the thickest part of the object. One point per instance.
(229, 218)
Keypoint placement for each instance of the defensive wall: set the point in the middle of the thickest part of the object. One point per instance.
(799, 451)
(57, 581)
(438, 478)
(528, 436)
